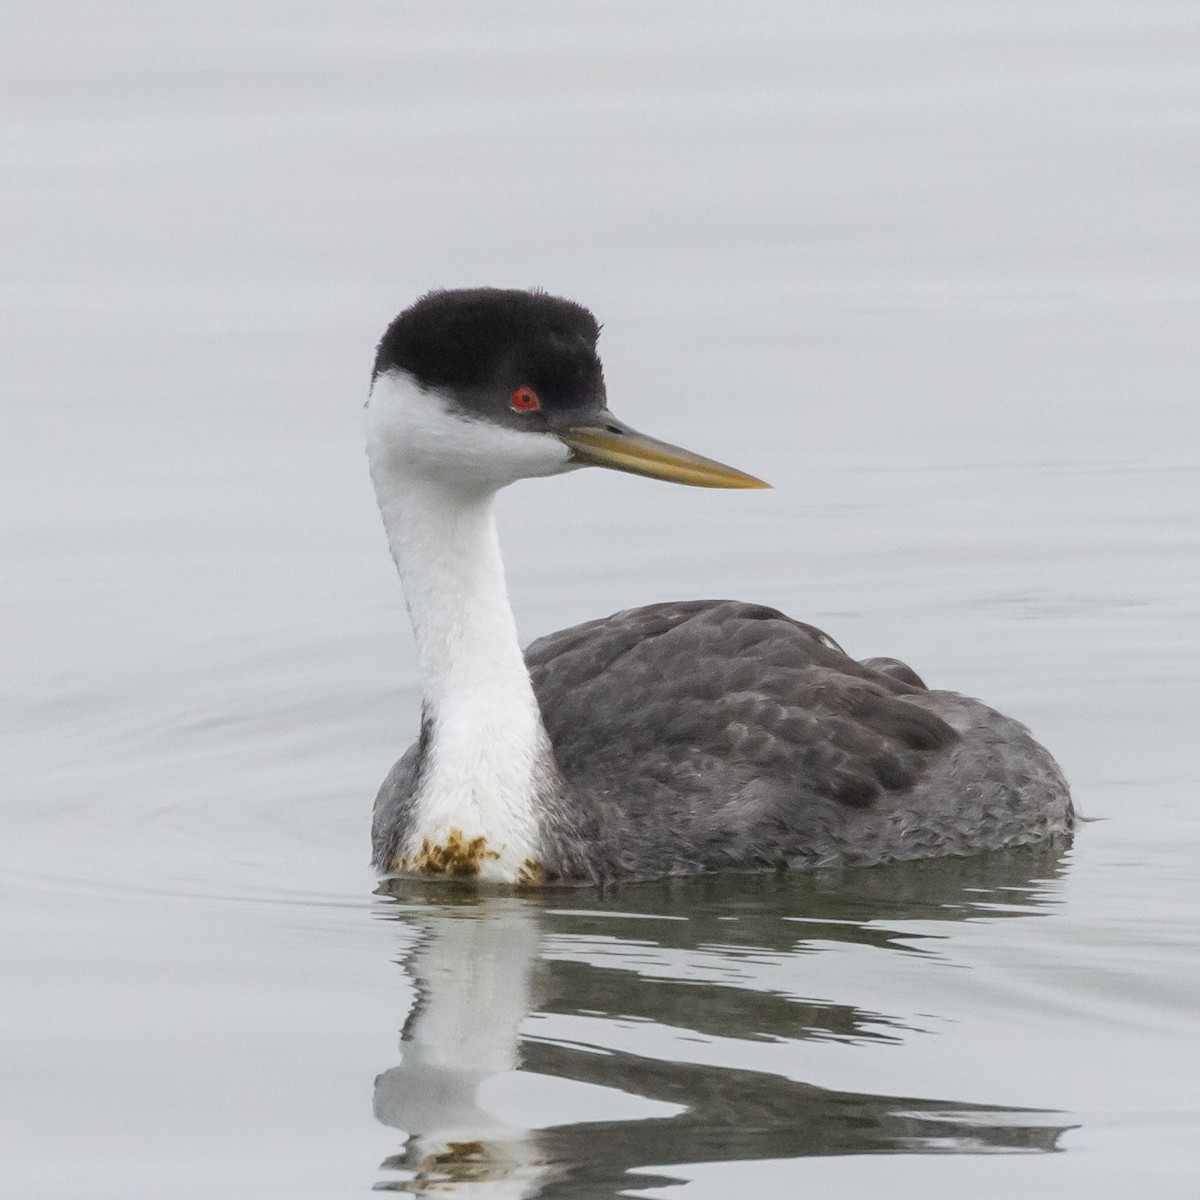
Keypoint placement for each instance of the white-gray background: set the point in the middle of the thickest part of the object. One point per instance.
(930, 267)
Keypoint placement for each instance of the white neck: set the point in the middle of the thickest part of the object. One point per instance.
(489, 753)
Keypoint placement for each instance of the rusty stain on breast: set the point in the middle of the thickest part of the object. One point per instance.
(535, 874)
(463, 858)
(457, 855)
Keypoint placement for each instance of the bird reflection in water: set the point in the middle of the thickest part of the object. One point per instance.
(483, 965)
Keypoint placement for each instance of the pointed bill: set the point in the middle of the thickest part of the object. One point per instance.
(620, 448)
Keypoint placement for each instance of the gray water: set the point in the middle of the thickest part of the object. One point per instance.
(932, 268)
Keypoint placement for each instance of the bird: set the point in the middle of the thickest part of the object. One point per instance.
(679, 738)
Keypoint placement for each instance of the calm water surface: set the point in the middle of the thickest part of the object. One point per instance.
(929, 267)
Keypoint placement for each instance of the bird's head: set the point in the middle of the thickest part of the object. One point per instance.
(484, 386)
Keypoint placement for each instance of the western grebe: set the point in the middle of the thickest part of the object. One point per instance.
(676, 738)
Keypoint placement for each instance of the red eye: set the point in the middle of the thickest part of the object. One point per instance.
(525, 399)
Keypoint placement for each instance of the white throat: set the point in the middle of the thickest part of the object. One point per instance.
(435, 476)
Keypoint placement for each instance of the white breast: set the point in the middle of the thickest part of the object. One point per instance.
(435, 476)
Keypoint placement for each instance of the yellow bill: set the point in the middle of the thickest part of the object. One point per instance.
(623, 449)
